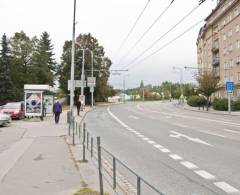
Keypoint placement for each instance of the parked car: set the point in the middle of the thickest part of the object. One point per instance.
(14, 109)
(4, 119)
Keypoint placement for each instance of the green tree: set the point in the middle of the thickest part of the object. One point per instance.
(101, 63)
(208, 84)
(6, 85)
(43, 63)
(22, 49)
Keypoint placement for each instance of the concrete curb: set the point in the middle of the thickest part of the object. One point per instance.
(185, 107)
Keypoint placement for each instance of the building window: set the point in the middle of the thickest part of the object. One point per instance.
(238, 76)
(236, 12)
(238, 60)
(224, 37)
(230, 33)
(237, 27)
(230, 48)
(237, 44)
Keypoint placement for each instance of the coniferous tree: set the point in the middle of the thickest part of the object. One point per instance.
(6, 85)
(43, 64)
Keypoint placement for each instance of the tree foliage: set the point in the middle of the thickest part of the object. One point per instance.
(101, 63)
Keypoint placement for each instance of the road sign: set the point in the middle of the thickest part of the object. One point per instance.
(229, 86)
(78, 83)
(91, 81)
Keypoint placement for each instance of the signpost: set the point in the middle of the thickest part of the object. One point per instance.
(229, 88)
(91, 82)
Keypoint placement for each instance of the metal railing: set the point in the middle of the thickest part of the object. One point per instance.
(121, 178)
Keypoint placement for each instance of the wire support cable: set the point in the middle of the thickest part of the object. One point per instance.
(145, 32)
(165, 34)
(132, 28)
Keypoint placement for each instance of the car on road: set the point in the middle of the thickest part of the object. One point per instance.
(4, 119)
(14, 109)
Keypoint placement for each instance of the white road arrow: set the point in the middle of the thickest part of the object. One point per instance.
(196, 140)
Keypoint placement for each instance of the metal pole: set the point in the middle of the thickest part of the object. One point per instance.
(92, 76)
(91, 147)
(73, 131)
(82, 77)
(84, 137)
(123, 90)
(100, 166)
(228, 94)
(73, 60)
(87, 139)
(114, 173)
(138, 186)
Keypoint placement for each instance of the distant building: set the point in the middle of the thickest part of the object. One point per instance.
(218, 45)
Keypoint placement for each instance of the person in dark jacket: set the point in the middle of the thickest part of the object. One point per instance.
(78, 104)
(57, 109)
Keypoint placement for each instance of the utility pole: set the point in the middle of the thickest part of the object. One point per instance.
(181, 81)
(124, 90)
(228, 93)
(82, 76)
(73, 60)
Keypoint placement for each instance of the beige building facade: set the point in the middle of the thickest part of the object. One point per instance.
(218, 45)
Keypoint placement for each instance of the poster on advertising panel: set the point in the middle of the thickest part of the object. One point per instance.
(48, 103)
(33, 103)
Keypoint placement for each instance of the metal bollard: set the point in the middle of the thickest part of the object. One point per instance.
(84, 137)
(138, 185)
(79, 131)
(91, 147)
(87, 139)
(73, 131)
(114, 173)
(100, 166)
(76, 128)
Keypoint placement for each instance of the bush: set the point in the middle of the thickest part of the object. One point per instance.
(196, 101)
(220, 104)
(235, 105)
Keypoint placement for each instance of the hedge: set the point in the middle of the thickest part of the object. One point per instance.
(222, 104)
(196, 101)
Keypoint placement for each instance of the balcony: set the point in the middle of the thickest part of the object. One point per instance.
(216, 61)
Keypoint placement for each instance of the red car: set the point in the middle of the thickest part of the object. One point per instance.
(14, 109)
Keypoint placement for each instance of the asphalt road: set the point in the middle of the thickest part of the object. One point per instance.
(180, 152)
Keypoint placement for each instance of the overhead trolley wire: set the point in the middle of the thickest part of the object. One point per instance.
(168, 43)
(132, 28)
(145, 32)
(155, 42)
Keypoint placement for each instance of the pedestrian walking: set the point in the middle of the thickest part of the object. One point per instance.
(78, 104)
(57, 109)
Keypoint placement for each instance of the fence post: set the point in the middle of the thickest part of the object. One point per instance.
(76, 128)
(91, 147)
(79, 131)
(114, 173)
(73, 130)
(138, 185)
(84, 137)
(100, 165)
(87, 139)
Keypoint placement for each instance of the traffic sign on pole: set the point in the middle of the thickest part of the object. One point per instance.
(229, 86)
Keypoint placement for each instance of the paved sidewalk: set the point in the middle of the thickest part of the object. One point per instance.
(41, 161)
(211, 110)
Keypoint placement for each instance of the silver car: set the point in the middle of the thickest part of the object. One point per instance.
(4, 119)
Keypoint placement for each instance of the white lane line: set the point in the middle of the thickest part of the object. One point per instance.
(211, 133)
(133, 117)
(140, 135)
(116, 118)
(226, 187)
(145, 138)
(175, 157)
(158, 146)
(151, 142)
(205, 174)
(165, 150)
(189, 165)
(180, 125)
(232, 131)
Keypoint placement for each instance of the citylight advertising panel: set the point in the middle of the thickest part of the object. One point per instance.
(48, 103)
(33, 103)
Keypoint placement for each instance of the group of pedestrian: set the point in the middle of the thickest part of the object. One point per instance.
(57, 109)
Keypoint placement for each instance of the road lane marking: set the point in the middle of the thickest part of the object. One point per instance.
(175, 157)
(145, 138)
(140, 135)
(158, 146)
(116, 118)
(226, 187)
(165, 150)
(180, 125)
(205, 174)
(151, 142)
(189, 165)
(133, 117)
(212, 133)
(232, 131)
(196, 140)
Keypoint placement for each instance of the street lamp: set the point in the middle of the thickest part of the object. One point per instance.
(181, 80)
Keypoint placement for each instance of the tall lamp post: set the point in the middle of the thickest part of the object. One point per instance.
(181, 80)
(73, 60)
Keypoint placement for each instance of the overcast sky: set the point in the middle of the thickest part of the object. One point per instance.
(110, 21)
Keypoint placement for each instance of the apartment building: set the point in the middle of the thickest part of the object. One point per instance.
(218, 45)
